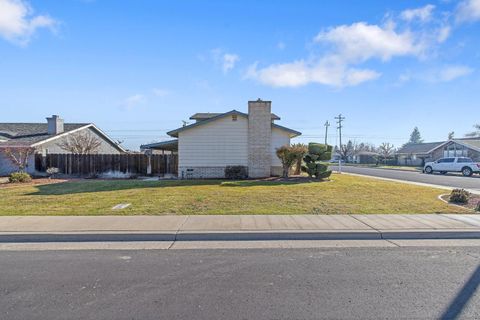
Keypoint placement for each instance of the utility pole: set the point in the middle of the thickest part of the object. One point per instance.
(340, 119)
(327, 124)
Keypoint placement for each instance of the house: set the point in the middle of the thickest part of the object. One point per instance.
(416, 154)
(365, 157)
(217, 140)
(47, 138)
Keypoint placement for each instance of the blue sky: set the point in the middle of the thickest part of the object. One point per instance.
(137, 68)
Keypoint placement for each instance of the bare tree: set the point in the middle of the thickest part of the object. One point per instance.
(475, 133)
(80, 143)
(19, 156)
(386, 151)
(348, 150)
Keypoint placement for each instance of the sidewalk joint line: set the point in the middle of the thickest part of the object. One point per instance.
(362, 222)
(177, 232)
(458, 220)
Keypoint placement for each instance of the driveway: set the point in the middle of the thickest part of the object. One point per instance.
(449, 180)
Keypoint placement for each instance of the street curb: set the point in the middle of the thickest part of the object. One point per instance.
(421, 184)
(238, 236)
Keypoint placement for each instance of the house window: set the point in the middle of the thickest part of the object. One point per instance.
(234, 117)
(455, 150)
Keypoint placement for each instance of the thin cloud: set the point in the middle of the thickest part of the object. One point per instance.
(18, 24)
(133, 101)
(226, 60)
(468, 11)
(422, 14)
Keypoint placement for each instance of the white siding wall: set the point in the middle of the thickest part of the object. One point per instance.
(279, 138)
(216, 144)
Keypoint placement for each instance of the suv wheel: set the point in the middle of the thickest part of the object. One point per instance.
(428, 170)
(467, 172)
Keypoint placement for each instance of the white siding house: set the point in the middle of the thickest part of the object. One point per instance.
(233, 138)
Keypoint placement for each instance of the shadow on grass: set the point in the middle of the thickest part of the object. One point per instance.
(88, 186)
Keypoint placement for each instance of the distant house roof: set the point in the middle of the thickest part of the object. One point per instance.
(171, 145)
(207, 115)
(174, 133)
(419, 148)
(34, 134)
(473, 143)
(426, 148)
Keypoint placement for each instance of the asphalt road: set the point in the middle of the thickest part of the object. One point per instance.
(448, 180)
(407, 283)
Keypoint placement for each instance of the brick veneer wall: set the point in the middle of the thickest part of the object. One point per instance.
(259, 138)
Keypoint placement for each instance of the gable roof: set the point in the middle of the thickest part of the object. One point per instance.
(419, 148)
(470, 143)
(200, 116)
(35, 134)
(425, 148)
(174, 133)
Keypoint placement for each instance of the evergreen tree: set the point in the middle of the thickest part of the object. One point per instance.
(415, 136)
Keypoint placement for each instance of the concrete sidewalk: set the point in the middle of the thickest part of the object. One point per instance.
(238, 227)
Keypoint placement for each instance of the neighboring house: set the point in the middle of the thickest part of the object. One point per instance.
(365, 157)
(416, 154)
(45, 139)
(217, 140)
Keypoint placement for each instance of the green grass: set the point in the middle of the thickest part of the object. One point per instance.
(344, 194)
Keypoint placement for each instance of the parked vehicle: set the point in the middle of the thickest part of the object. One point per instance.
(458, 164)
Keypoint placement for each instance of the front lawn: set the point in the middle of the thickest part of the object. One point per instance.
(345, 194)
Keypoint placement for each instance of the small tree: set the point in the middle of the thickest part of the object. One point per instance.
(451, 135)
(288, 157)
(80, 143)
(386, 150)
(316, 154)
(299, 149)
(19, 156)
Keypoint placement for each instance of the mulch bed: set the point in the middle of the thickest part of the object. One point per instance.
(292, 179)
(472, 203)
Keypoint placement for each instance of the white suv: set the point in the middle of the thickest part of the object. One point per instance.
(460, 164)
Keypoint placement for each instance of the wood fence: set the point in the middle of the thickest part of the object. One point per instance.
(91, 164)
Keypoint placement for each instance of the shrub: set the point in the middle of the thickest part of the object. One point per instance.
(477, 208)
(236, 172)
(460, 196)
(316, 154)
(19, 177)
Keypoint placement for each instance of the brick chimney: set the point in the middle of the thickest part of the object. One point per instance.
(55, 125)
(259, 138)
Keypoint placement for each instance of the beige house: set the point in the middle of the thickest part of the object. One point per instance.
(217, 140)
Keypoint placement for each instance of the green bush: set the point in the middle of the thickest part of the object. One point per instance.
(313, 160)
(478, 207)
(460, 196)
(236, 172)
(19, 177)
